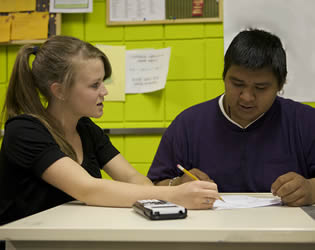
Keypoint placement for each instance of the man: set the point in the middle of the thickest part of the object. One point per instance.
(249, 139)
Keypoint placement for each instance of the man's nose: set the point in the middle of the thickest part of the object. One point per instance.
(248, 94)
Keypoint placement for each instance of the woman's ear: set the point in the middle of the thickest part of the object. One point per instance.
(57, 91)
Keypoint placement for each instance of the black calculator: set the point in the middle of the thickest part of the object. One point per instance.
(159, 209)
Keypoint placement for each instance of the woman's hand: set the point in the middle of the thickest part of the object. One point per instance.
(195, 194)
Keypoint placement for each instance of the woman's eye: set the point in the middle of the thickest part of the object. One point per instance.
(95, 85)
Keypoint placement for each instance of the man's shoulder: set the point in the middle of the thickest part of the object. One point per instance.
(201, 109)
(294, 111)
(192, 117)
(291, 105)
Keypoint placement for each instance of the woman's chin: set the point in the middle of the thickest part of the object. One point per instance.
(99, 115)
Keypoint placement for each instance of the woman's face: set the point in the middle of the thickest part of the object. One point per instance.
(86, 96)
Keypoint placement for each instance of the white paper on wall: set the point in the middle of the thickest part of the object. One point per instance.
(146, 70)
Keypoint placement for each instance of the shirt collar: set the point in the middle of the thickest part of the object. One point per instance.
(227, 117)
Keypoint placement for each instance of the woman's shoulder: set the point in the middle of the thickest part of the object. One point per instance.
(23, 130)
(23, 121)
(87, 126)
(25, 126)
(87, 123)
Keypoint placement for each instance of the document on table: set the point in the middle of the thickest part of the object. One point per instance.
(244, 201)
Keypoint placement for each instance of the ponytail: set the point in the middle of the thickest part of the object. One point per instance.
(23, 97)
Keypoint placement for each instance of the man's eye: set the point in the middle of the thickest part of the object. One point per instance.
(260, 87)
(238, 84)
(95, 85)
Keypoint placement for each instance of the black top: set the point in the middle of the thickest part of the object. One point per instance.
(28, 149)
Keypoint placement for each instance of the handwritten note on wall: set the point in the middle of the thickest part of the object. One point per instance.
(146, 70)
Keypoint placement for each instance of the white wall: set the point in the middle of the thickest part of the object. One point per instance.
(294, 22)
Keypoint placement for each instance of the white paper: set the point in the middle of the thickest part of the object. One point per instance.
(244, 201)
(146, 70)
(70, 6)
(291, 20)
(137, 10)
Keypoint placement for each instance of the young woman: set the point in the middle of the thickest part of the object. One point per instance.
(52, 152)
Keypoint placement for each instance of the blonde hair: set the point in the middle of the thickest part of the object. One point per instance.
(54, 61)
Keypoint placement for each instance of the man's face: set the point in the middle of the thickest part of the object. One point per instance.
(249, 93)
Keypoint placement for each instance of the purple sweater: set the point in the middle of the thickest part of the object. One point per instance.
(239, 160)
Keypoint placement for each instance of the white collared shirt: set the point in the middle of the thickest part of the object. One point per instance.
(227, 117)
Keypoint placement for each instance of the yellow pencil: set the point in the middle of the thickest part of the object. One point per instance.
(192, 176)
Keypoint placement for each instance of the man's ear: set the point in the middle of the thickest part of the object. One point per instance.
(57, 90)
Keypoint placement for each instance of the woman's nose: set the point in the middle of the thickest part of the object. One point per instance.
(104, 90)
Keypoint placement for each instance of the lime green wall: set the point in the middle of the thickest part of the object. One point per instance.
(194, 75)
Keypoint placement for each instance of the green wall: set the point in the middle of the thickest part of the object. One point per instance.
(194, 75)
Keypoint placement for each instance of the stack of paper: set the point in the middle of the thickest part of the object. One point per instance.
(243, 201)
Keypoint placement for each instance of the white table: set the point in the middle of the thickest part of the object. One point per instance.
(76, 226)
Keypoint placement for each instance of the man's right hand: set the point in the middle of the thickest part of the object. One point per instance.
(202, 176)
(185, 178)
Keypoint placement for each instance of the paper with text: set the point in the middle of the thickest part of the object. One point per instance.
(146, 70)
(244, 201)
(137, 10)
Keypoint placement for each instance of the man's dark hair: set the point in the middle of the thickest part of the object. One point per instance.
(255, 49)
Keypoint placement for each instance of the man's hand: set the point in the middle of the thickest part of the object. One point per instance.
(196, 172)
(294, 189)
(185, 178)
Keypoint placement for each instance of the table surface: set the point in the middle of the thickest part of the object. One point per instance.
(78, 222)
